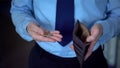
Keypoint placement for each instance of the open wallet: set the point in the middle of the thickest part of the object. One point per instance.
(80, 34)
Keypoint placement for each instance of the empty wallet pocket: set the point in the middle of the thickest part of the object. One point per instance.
(80, 34)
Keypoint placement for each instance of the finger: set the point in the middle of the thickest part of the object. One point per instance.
(96, 32)
(87, 55)
(72, 47)
(93, 36)
(39, 37)
(55, 32)
(35, 28)
(90, 50)
(90, 38)
(45, 39)
(56, 37)
(39, 30)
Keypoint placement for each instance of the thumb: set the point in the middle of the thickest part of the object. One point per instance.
(94, 34)
(90, 38)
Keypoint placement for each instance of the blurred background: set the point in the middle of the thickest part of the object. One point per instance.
(14, 51)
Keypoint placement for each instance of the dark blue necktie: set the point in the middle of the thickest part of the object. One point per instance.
(65, 19)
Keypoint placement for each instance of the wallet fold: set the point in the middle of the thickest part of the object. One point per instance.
(80, 34)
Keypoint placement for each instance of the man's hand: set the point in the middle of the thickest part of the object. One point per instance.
(40, 34)
(95, 33)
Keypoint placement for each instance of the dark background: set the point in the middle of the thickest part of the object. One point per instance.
(14, 51)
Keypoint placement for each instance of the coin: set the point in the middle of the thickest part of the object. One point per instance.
(47, 34)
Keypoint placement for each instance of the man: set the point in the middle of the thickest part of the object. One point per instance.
(38, 20)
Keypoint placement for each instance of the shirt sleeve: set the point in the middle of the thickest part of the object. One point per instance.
(111, 25)
(21, 13)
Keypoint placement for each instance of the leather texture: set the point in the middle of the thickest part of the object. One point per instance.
(80, 34)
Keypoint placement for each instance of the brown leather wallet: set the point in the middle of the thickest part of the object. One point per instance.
(80, 34)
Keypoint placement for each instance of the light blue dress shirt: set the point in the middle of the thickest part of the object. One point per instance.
(89, 12)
